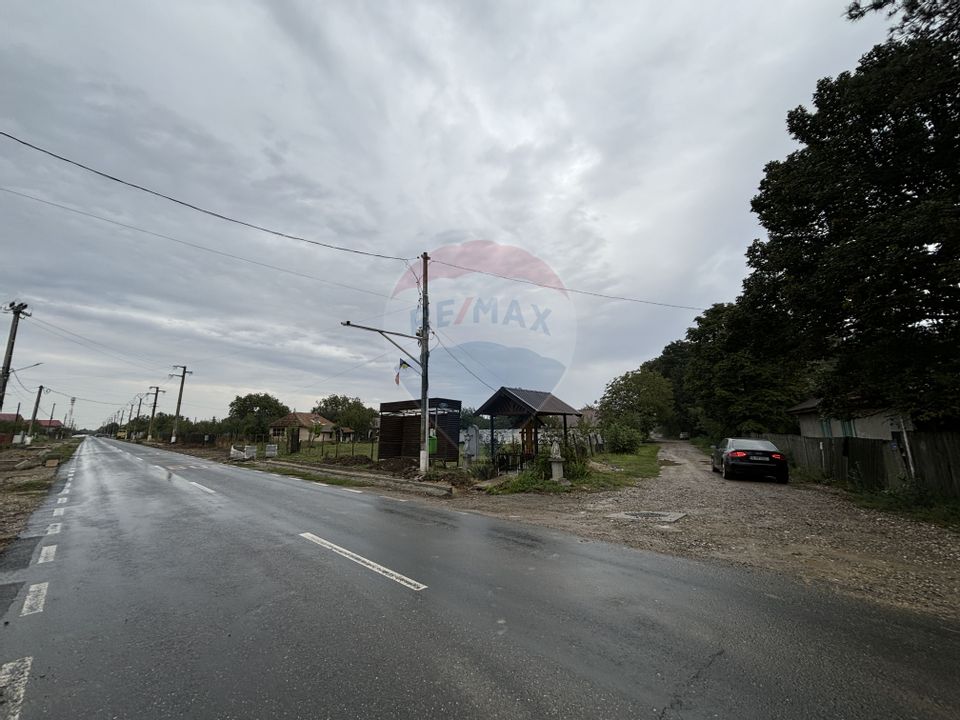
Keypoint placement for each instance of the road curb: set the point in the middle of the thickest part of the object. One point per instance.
(412, 486)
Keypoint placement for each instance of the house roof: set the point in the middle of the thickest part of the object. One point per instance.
(519, 401)
(806, 406)
(301, 419)
(11, 417)
(50, 423)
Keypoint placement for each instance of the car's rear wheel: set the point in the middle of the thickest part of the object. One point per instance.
(727, 472)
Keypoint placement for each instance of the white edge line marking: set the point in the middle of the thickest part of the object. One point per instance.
(358, 492)
(36, 597)
(48, 553)
(387, 497)
(13, 685)
(54, 528)
(205, 489)
(369, 564)
(57, 512)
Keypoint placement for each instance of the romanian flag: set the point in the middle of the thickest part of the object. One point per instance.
(403, 364)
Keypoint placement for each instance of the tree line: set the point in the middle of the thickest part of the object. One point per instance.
(853, 294)
(250, 416)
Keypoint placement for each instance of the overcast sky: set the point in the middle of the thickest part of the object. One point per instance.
(612, 146)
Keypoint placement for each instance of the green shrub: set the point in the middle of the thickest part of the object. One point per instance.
(621, 439)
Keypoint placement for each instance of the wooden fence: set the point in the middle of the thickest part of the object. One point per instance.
(881, 464)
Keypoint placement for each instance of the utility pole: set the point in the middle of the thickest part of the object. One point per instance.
(176, 417)
(17, 309)
(73, 402)
(156, 393)
(424, 380)
(139, 405)
(36, 406)
(51, 412)
(423, 337)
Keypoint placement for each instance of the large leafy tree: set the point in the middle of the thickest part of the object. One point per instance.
(939, 19)
(862, 258)
(252, 414)
(638, 399)
(346, 411)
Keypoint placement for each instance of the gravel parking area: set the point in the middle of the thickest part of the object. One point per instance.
(805, 530)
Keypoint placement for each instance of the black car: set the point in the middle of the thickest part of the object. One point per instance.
(748, 456)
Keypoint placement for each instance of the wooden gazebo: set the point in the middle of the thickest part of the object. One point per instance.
(527, 407)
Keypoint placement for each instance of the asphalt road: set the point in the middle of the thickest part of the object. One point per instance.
(179, 588)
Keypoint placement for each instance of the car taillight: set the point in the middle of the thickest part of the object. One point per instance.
(738, 453)
(776, 456)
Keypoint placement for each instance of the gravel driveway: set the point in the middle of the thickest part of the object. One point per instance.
(805, 530)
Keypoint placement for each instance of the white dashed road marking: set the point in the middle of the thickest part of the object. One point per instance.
(205, 489)
(359, 492)
(62, 501)
(369, 564)
(57, 512)
(36, 597)
(47, 554)
(13, 684)
(387, 497)
(54, 528)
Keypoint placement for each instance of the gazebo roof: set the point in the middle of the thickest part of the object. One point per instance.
(517, 401)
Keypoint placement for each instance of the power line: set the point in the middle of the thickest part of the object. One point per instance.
(567, 289)
(113, 354)
(190, 244)
(477, 377)
(349, 369)
(198, 208)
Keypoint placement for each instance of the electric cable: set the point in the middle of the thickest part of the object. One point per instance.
(197, 208)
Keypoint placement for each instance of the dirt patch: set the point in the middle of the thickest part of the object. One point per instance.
(807, 531)
(22, 491)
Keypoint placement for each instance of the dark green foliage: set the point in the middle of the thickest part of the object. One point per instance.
(346, 411)
(639, 399)
(863, 221)
(621, 439)
(915, 18)
(251, 415)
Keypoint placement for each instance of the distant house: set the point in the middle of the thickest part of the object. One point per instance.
(50, 427)
(876, 425)
(11, 418)
(312, 427)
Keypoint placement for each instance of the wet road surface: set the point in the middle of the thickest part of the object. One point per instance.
(157, 585)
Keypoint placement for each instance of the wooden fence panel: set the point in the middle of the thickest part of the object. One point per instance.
(936, 457)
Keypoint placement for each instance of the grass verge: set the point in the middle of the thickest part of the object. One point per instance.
(625, 470)
(945, 513)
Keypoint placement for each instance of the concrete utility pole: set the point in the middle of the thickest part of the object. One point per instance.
(36, 406)
(156, 393)
(423, 337)
(176, 417)
(17, 309)
(424, 381)
(69, 421)
(139, 405)
(51, 411)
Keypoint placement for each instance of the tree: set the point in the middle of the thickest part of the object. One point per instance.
(735, 380)
(344, 411)
(862, 257)
(638, 399)
(251, 414)
(938, 19)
